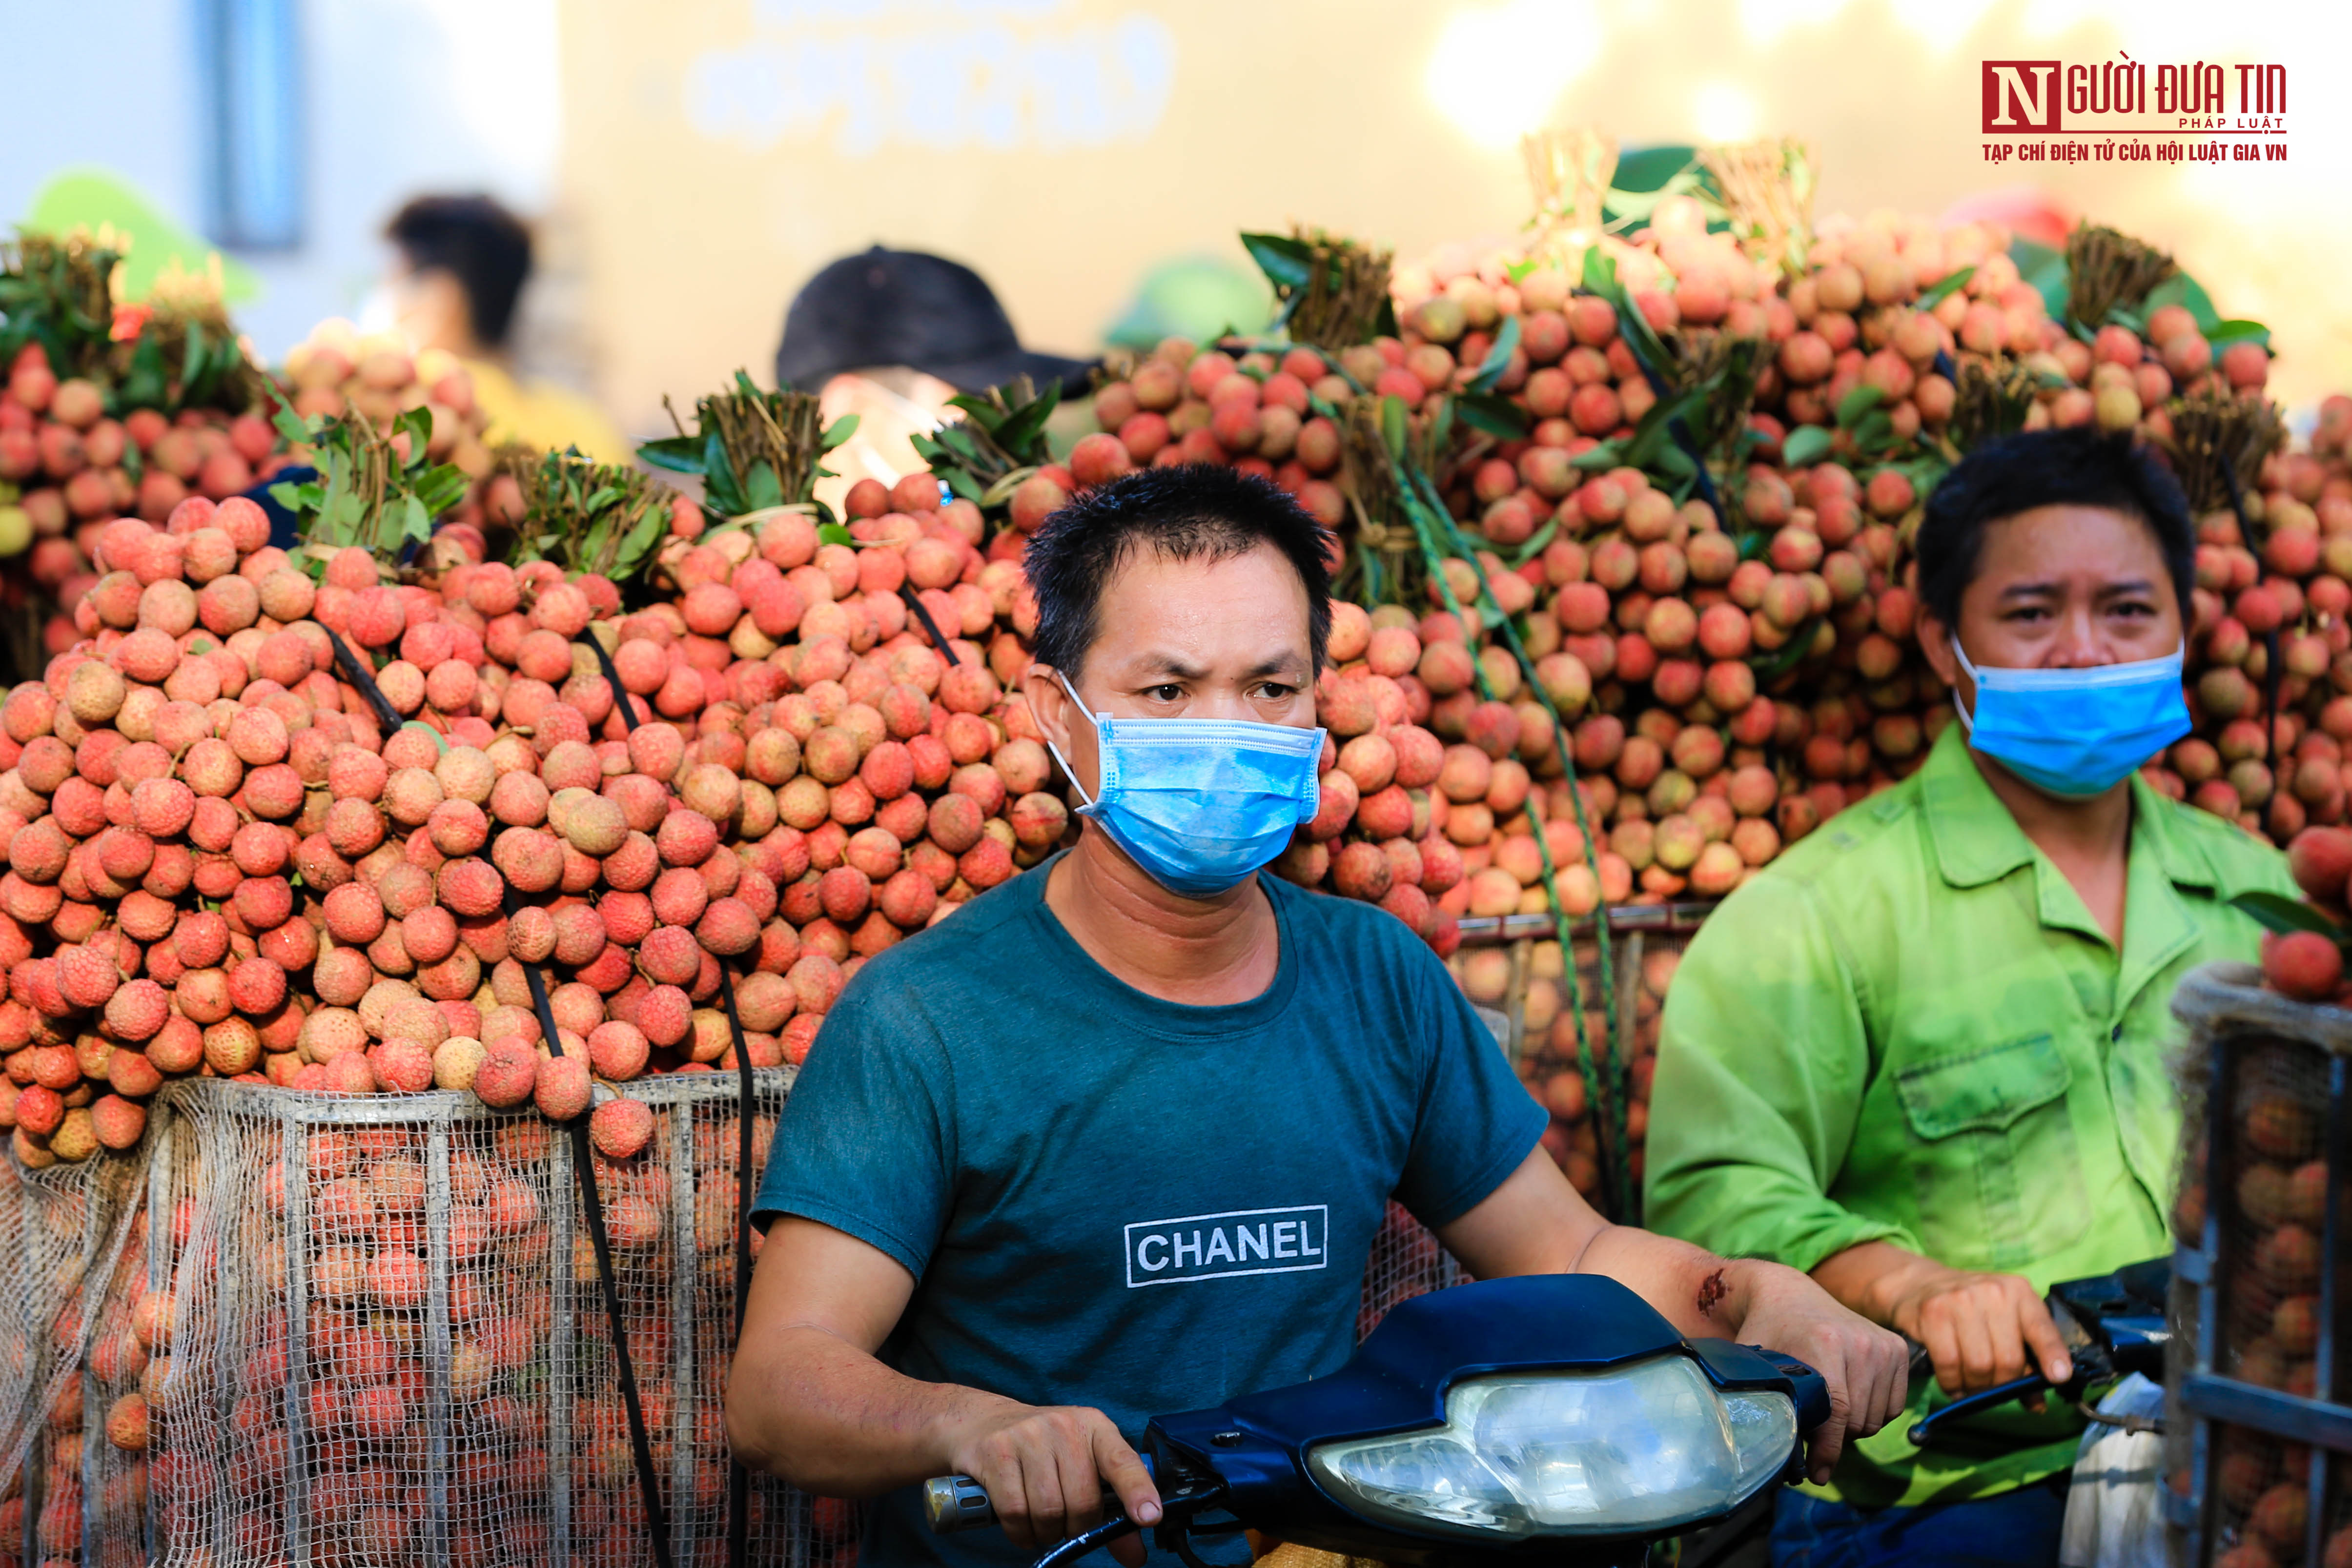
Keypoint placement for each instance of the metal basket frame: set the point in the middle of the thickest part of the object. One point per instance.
(2225, 1005)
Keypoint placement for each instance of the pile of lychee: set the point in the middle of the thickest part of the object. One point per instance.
(220, 863)
(1732, 675)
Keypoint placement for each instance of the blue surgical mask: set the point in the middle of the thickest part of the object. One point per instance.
(1199, 803)
(2075, 732)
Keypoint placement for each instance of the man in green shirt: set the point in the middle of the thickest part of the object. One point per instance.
(1921, 1056)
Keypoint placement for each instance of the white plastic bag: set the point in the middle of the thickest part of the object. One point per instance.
(2115, 1513)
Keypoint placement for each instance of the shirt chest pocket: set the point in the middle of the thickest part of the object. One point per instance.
(1997, 1179)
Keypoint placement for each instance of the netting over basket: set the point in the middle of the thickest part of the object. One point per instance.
(386, 1344)
(1406, 1260)
(2268, 1194)
(63, 1229)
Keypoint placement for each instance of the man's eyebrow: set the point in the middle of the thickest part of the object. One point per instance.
(1157, 663)
(1175, 664)
(2107, 590)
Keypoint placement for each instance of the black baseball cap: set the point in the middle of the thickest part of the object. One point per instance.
(905, 308)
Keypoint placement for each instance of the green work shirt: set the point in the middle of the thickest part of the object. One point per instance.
(1909, 1027)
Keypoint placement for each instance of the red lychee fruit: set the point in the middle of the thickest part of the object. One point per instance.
(508, 1074)
(2305, 964)
(621, 1128)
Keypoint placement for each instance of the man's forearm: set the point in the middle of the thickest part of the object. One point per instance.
(832, 1420)
(1871, 1277)
(1701, 1294)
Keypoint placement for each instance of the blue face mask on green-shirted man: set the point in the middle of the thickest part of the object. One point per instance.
(2077, 732)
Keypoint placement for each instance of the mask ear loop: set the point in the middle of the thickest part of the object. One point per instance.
(1968, 723)
(1067, 771)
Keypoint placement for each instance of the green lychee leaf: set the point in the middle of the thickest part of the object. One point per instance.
(762, 488)
(2188, 294)
(289, 424)
(418, 423)
(1538, 543)
(1021, 429)
(1804, 446)
(1771, 666)
(1874, 433)
(146, 386)
(2046, 269)
(2276, 913)
(2222, 334)
(1857, 403)
(1285, 261)
(981, 411)
(1499, 357)
(677, 453)
(1943, 288)
(1493, 413)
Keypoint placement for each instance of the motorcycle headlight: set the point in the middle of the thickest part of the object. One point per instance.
(1635, 1448)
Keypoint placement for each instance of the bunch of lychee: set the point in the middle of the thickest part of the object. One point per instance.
(77, 468)
(2308, 965)
(67, 466)
(1182, 404)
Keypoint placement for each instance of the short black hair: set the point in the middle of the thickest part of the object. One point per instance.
(2076, 467)
(476, 241)
(1187, 512)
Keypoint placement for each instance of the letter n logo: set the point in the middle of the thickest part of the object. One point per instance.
(2020, 96)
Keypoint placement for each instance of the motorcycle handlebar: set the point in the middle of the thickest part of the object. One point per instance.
(954, 1504)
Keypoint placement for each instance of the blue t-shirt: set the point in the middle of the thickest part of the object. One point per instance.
(1111, 1201)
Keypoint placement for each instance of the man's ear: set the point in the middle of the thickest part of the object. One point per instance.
(1063, 725)
(1936, 647)
(1049, 704)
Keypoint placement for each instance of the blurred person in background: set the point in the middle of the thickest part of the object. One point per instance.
(464, 261)
(892, 336)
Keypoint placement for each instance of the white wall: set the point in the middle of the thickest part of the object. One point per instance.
(401, 97)
(137, 116)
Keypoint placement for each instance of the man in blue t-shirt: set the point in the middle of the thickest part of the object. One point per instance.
(1114, 1139)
